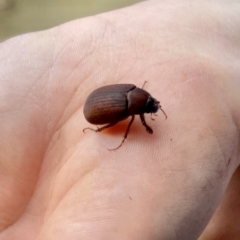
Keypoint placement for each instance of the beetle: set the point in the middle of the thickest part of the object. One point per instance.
(113, 103)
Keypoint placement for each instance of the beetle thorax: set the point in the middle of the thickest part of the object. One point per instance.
(140, 101)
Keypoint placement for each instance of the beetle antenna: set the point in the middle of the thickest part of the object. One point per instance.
(163, 111)
(144, 84)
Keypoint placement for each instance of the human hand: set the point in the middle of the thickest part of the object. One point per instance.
(58, 183)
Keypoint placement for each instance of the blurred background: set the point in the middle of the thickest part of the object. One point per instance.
(21, 16)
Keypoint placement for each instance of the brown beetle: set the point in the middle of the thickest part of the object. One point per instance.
(114, 103)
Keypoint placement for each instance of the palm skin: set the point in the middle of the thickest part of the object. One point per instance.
(59, 183)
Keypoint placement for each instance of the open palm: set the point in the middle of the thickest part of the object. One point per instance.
(58, 183)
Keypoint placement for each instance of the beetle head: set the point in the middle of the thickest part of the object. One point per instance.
(153, 105)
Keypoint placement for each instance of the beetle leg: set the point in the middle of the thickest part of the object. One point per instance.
(152, 117)
(149, 130)
(125, 135)
(101, 128)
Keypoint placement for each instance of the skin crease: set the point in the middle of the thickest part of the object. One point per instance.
(182, 182)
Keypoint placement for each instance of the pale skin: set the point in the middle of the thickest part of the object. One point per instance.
(181, 182)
